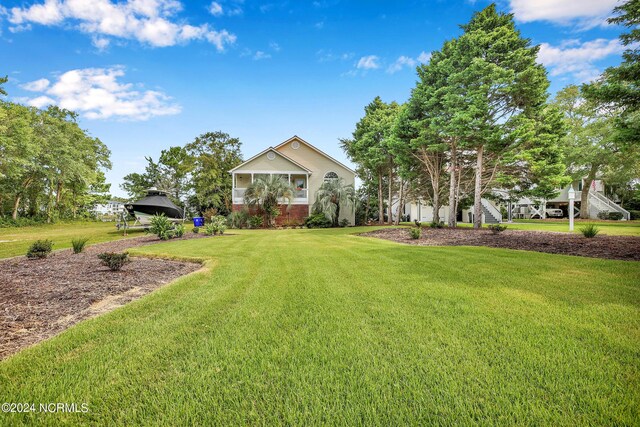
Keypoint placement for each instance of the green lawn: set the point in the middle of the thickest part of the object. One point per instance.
(320, 327)
(15, 241)
(619, 228)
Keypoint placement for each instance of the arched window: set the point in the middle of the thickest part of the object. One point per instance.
(330, 176)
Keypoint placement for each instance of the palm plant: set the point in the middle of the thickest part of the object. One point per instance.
(332, 196)
(267, 194)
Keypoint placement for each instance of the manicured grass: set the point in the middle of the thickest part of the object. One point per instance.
(619, 228)
(16, 240)
(320, 327)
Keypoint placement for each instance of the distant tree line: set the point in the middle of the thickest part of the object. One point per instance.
(195, 176)
(479, 118)
(50, 168)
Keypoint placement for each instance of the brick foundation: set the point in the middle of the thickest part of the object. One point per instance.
(294, 213)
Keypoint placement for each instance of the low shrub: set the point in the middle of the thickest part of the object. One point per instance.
(238, 219)
(415, 233)
(210, 229)
(178, 230)
(255, 221)
(209, 213)
(344, 222)
(219, 224)
(317, 220)
(40, 249)
(615, 216)
(196, 230)
(590, 230)
(634, 214)
(603, 215)
(115, 261)
(78, 244)
(162, 227)
(434, 224)
(497, 228)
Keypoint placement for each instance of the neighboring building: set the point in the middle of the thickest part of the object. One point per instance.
(301, 164)
(112, 207)
(526, 208)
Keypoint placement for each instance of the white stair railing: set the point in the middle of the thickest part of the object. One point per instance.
(603, 203)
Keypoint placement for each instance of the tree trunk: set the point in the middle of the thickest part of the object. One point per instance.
(453, 205)
(584, 196)
(436, 205)
(380, 201)
(16, 204)
(477, 196)
(366, 211)
(399, 209)
(389, 214)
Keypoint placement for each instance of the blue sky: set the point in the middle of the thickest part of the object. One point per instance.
(148, 74)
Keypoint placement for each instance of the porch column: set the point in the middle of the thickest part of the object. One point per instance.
(306, 177)
(233, 188)
(252, 177)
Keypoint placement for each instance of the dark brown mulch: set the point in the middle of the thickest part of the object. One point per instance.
(601, 246)
(40, 298)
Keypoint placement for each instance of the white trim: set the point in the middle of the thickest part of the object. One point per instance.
(271, 171)
(296, 137)
(265, 151)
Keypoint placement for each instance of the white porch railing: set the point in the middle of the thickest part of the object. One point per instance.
(300, 196)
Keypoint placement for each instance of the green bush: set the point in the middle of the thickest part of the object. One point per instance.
(179, 230)
(115, 261)
(434, 224)
(219, 224)
(317, 220)
(210, 229)
(603, 215)
(615, 216)
(196, 230)
(78, 244)
(634, 214)
(162, 227)
(238, 219)
(590, 230)
(344, 222)
(497, 228)
(415, 233)
(40, 249)
(255, 221)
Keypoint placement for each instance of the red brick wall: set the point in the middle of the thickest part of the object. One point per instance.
(294, 213)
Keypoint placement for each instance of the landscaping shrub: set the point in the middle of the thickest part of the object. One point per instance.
(209, 213)
(293, 223)
(497, 228)
(255, 221)
(238, 219)
(415, 233)
(615, 216)
(178, 230)
(210, 229)
(196, 230)
(434, 224)
(589, 230)
(603, 215)
(40, 249)
(344, 222)
(634, 214)
(162, 227)
(317, 220)
(219, 224)
(115, 261)
(78, 244)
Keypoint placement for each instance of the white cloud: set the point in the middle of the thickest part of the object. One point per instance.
(101, 43)
(400, 63)
(319, 25)
(216, 9)
(36, 85)
(275, 47)
(328, 56)
(261, 55)
(424, 57)
(97, 94)
(589, 12)
(148, 21)
(572, 57)
(368, 63)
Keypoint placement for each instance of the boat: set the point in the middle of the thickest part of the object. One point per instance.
(155, 202)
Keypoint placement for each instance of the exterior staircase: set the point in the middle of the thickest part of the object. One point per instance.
(491, 214)
(600, 203)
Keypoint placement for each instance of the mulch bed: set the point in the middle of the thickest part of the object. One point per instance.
(602, 246)
(40, 298)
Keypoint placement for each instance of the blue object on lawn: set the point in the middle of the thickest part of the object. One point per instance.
(198, 221)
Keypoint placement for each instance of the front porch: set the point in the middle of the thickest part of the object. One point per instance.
(300, 181)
